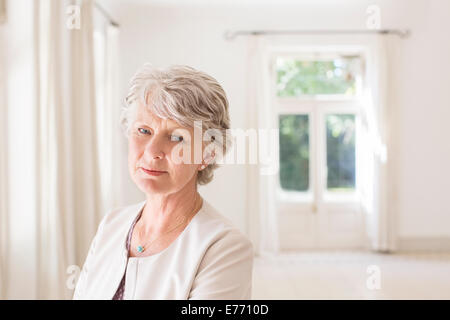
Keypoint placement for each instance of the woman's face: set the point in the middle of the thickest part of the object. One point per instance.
(150, 146)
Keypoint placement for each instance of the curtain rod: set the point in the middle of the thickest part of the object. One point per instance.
(106, 15)
(230, 35)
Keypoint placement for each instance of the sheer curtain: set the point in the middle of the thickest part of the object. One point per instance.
(80, 132)
(51, 197)
(17, 153)
(68, 190)
(109, 134)
(260, 181)
(3, 155)
(378, 181)
(377, 144)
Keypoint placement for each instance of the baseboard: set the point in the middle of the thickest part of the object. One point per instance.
(403, 244)
(423, 244)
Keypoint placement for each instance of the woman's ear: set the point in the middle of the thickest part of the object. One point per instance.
(210, 157)
(208, 160)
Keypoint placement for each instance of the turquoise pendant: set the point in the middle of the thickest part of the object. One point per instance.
(140, 249)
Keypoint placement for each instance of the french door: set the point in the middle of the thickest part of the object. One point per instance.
(317, 189)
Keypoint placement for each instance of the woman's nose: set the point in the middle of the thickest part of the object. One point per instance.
(156, 146)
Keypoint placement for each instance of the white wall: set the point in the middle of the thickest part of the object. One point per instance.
(424, 104)
(176, 34)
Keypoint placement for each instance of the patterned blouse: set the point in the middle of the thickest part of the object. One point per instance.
(119, 293)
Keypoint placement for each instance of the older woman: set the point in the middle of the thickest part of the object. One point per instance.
(175, 244)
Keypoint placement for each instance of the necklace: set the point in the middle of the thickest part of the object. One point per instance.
(141, 248)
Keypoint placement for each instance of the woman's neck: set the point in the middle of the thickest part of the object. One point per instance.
(161, 213)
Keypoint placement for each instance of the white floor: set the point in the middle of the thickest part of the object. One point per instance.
(345, 275)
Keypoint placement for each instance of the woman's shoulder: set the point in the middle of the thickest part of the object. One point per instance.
(121, 215)
(213, 217)
(217, 228)
(225, 263)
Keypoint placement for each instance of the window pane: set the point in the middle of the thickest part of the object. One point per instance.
(298, 78)
(294, 152)
(340, 152)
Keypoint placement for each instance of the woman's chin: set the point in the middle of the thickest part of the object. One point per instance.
(150, 186)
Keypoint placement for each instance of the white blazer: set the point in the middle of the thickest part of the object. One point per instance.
(210, 259)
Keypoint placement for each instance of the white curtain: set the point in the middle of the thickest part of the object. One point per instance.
(17, 154)
(377, 137)
(378, 180)
(51, 197)
(111, 141)
(260, 202)
(2, 11)
(3, 156)
(69, 205)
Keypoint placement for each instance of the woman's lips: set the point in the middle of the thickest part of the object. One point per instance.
(153, 172)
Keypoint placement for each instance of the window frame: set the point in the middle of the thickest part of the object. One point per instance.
(319, 56)
(317, 107)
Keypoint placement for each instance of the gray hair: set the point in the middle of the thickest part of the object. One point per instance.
(183, 94)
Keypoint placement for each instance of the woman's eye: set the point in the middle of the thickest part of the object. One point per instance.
(143, 131)
(177, 138)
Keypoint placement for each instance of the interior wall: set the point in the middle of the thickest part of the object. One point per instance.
(175, 34)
